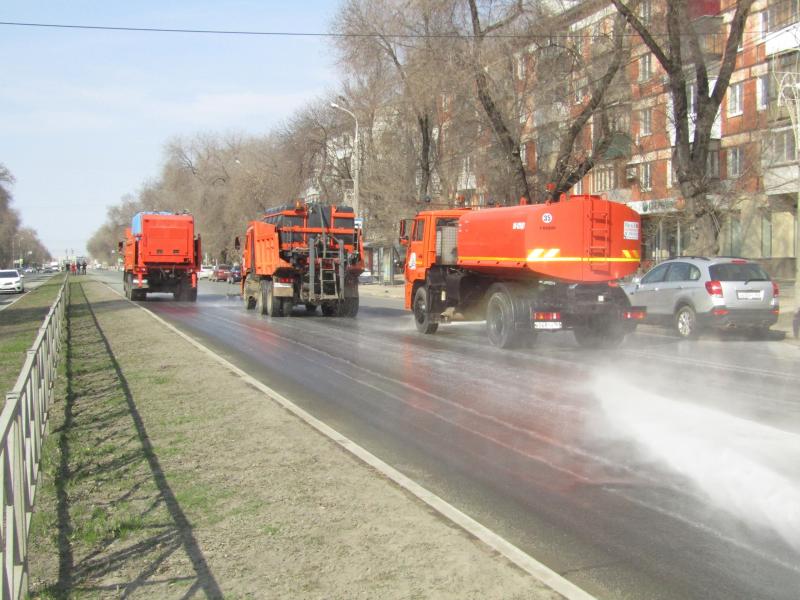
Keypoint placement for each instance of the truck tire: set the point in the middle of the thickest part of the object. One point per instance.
(348, 307)
(261, 298)
(500, 318)
(191, 294)
(126, 285)
(423, 319)
(311, 308)
(285, 306)
(273, 306)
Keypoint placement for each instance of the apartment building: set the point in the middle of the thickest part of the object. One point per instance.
(752, 168)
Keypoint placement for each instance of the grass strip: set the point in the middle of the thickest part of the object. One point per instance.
(19, 325)
(102, 522)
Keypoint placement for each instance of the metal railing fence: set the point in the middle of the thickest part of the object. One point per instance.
(23, 425)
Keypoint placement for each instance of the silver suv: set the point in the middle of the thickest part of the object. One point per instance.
(690, 293)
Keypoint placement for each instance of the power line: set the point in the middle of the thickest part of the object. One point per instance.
(454, 35)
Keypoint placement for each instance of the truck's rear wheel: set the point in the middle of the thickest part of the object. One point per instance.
(500, 322)
(423, 319)
(286, 306)
(348, 307)
(126, 285)
(272, 306)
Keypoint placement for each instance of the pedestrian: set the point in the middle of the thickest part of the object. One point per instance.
(72, 268)
(83, 268)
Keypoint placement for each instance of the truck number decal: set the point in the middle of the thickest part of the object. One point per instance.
(518, 225)
(631, 230)
(547, 218)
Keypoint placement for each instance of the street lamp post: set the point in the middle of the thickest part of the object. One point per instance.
(356, 158)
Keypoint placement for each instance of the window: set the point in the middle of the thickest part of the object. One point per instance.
(681, 271)
(783, 147)
(712, 164)
(580, 89)
(734, 163)
(577, 44)
(782, 13)
(645, 177)
(656, 275)
(645, 11)
(645, 67)
(735, 99)
(419, 230)
(672, 176)
(578, 187)
(604, 178)
(646, 121)
(521, 67)
(762, 92)
(764, 24)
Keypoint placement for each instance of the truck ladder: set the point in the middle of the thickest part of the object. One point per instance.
(599, 238)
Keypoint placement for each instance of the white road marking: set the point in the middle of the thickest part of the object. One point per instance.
(527, 563)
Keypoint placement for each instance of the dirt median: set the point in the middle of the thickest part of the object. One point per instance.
(168, 476)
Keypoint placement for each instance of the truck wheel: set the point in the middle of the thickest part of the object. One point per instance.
(272, 305)
(500, 322)
(349, 307)
(261, 298)
(686, 323)
(286, 305)
(422, 318)
(191, 294)
(311, 308)
(126, 286)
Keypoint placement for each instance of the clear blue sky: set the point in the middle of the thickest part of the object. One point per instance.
(84, 115)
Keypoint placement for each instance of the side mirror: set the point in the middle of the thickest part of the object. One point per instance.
(403, 236)
(119, 247)
(236, 244)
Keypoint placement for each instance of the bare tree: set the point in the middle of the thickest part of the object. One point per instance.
(681, 55)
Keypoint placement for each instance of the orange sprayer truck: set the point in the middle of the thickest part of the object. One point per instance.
(525, 269)
(309, 254)
(161, 254)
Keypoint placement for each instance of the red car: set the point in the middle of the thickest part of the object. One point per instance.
(220, 273)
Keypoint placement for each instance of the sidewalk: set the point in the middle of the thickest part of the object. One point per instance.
(168, 476)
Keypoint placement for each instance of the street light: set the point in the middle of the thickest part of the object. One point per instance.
(356, 158)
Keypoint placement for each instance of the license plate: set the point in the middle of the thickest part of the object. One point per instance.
(547, 325)
(748, 295)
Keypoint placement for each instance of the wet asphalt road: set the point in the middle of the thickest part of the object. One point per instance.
(663, 469)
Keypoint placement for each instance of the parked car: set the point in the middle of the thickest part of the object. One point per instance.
(235, 274)
(693, 293)
(205, 272)
(220, 273)
(11, 282)
(366, 277)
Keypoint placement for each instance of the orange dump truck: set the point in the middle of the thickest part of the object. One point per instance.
(525, 269)
(308, 254)
(162, 254)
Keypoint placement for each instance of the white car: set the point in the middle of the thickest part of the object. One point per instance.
(205, 272)
(11, 281)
